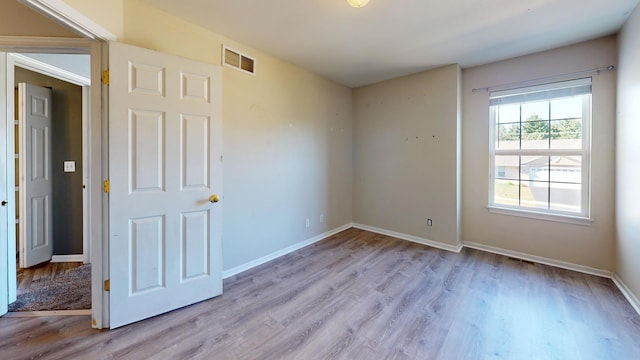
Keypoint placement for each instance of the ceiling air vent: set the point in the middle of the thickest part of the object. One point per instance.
(238, 60)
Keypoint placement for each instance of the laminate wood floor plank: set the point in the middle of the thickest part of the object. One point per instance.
(360, 295)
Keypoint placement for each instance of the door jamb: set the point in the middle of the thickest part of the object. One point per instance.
(96, 144)
(4, 221)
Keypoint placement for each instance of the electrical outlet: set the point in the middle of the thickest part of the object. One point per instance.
(321, 218)
(429, 222)
(308, 223)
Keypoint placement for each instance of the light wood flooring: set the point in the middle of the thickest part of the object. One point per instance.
(359, 295)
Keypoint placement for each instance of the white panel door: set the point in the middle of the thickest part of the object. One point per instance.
(36, 228)
(165, 235)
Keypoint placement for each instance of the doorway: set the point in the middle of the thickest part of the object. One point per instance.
(77, 35)
(53, 263)
(95, 199)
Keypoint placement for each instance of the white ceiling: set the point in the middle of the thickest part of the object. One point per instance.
(391, 38)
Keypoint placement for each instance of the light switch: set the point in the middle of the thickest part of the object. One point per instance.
(69, 166)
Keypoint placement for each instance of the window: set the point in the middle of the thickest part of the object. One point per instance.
(540, 150)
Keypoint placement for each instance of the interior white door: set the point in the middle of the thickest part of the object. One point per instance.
(165, 235)
(34, 124)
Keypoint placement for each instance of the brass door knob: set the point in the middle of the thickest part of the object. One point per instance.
(214, 198)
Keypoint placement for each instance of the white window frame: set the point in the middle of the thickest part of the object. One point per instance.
(582, 218)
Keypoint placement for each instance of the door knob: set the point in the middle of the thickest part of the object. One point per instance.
(4, 202)
(214, 198)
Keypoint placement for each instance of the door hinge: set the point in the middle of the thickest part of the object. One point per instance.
(107, 285)
(105, 77)
(107, 186)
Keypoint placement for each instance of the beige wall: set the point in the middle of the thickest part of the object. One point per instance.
(288, 146)
(19, 20)
(145, 26)
(591, 246)
(287, 133)
(106, 13)
(628, 156)
(405, 154)
(287, 140)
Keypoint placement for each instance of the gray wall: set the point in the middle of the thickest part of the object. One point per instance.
(628, 156)
(406, 155)
(592, 246)
(66, 135)
(287, 158)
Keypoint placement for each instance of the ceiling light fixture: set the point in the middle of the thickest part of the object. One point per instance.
(357, 3)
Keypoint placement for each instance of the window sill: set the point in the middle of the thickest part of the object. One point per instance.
(568, 219)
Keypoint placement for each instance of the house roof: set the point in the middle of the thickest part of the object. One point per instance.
(541, 144)
(391, 38)
(539, 161)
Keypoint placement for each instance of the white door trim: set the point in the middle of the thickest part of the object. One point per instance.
(96, 200)
(72, 18)
(5, 222)
(28, 63)
(86, 116)
(44, 44)
(97, 128)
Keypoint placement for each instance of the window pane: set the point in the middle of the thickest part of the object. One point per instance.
(566, 108)
(508, 136)
(508, 114)
(534, 168)
(566, 169)
(566, 134)
(566, 197)
(506, 192)
(534, 194)
(507, 165)
(535, 135)
(541, 134)
(534, 111)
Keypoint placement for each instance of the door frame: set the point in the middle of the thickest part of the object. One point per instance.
(25, 62)
(96, 163)
(93, 43)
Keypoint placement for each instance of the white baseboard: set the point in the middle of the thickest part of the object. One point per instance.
(411, 238)
(251, 264)
(539, 259)
(67, 258)
(628, 294)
